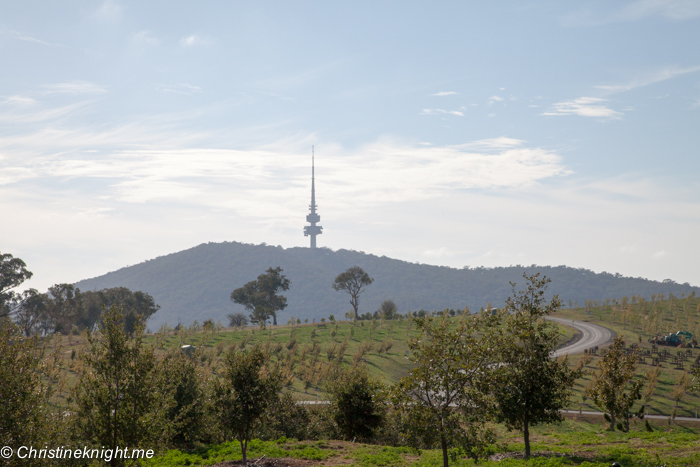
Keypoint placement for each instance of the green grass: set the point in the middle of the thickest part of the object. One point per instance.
(575, 442)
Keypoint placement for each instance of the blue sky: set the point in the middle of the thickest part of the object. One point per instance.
(452, 133)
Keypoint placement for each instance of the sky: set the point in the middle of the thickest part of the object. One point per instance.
(447, 132)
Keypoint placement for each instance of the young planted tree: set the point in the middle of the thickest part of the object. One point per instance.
(357, 402)
(122, 397)
(445, 400)
(25, 388)
(247, 387)
(353, 281)
(614, 388)
(532, 387)
(261, 298)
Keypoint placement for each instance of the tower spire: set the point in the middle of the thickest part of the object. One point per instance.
(312, 218)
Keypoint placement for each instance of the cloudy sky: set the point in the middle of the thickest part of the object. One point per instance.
(449, 132)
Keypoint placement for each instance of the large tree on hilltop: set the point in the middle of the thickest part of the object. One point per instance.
(261, 298)
(353, 281)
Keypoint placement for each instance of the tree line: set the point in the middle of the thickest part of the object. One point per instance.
(64, 308)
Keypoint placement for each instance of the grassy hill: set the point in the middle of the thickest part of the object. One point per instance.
(196, 284)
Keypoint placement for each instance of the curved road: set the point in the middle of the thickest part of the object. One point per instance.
(593, 334)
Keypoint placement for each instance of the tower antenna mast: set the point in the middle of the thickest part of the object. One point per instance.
(313, 218)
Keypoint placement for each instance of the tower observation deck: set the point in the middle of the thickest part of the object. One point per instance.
(312, 218)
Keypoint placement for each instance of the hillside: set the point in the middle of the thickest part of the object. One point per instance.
(197, 283)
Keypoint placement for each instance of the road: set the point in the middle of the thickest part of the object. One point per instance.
(593, 334)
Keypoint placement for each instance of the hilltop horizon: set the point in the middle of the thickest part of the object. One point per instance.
(196, 283)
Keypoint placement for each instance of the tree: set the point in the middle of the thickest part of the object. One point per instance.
(260, 296)
(532, 388)
(136, 306)
(122, 396)
(614, 388)
(29, 308)
(243, 394)
(26, 374)
(445, 400)
(13, 271)
(356, 399)
(353, 281)
(237, 320)
(387, 310)
(65, 307)
(188, 416)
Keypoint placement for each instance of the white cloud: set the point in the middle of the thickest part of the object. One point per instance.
(181, 88)
(109, 10)
(20, 100)
(659, 254)
(441, 111)
(74, 87)
(27, 37)
(193, 40)
(678, 10)
(656, 77)
(145, 37)
(584, 107)
(445, 93)
(674, 10)
(493, 99)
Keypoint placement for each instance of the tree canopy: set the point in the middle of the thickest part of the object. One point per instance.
(532, 387)
(261, 298)
(353, 281)
(13, 271)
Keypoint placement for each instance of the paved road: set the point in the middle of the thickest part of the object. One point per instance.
(653, 417)
(593, 334)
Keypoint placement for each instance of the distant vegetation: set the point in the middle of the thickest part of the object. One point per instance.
(197, 283)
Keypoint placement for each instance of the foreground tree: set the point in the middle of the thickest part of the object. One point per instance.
(445, 400)
(261, 298)
(353, 281)
(122, 397)
(357, 402)
(532, 388)
(26, 374)
(614, 388)
(247, 387)
(13, 271)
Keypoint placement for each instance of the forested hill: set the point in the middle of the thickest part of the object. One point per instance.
(197, 283)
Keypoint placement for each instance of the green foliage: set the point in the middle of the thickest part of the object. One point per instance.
(237, 320)
(26, 372)
(189, 417)
(353, 281)
(357, 400)
(260, 296)
(121, 398)
(247, 388)
(614, 388)
(445, 400)
(531, 387)
(13, 271)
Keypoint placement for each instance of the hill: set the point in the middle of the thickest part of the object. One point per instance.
(196, 284)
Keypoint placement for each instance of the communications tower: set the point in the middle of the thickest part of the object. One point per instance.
(312, 218)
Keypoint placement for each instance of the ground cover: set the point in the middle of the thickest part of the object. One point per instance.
(577, 441)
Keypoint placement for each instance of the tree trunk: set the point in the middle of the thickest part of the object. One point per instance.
(526, 436)
(612, 422)
(445, 458)
(274, 319)
(244, 445)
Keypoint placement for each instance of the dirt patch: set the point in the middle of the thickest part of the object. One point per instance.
(577, 457)
(267, 462)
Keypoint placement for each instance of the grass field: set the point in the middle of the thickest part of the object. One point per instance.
(581, 441)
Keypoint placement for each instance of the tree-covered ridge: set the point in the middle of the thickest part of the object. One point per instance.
(197, 283)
